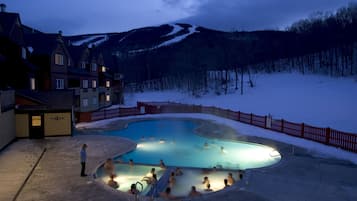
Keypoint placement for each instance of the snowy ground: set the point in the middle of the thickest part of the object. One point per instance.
(314, 99)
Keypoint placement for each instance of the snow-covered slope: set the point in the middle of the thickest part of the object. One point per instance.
(91, 40)
(313, 99)
(176, 39)
(179, 38)
(175, 29)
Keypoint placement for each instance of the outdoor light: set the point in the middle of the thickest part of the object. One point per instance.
(274, 153)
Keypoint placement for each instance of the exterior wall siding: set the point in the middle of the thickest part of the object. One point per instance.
(7, 125)
(22, 125)
(57, 124)
(89, 94)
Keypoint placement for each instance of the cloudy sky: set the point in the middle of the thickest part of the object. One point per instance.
(93, 16)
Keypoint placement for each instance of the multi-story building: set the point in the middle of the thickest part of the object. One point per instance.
(16, 71)
(88, 77)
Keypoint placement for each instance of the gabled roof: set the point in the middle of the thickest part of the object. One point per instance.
(47, 100)
(76, 52)
(42, 44)
(7, 21)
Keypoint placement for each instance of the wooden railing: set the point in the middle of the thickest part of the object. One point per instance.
(332, 137)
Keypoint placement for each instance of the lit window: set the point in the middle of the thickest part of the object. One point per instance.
(107, 97)
(59, 83)
(85, 84)
(107, 83)
(23, 53)
(85, 102)
(94, 100)
(36, 121)
(94, 83)
(94, 67)
(32, 83)
(59, 59)
(104, 69)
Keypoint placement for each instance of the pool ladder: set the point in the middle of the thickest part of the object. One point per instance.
(141, 189)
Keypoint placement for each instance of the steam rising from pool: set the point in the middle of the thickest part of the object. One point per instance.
(175, 142)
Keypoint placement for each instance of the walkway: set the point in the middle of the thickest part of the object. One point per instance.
(299, 176)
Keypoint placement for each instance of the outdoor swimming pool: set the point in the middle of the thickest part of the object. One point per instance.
(176, 143)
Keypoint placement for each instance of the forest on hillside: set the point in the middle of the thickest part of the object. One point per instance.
(323, 43)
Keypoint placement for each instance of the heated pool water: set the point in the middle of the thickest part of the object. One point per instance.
(175, 142)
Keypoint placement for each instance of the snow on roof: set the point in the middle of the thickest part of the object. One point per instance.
(87, 39)
(176, 29)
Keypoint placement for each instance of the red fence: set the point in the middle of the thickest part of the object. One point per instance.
(347, 141)
(118, 112)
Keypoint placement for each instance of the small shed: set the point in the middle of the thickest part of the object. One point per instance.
(43, 114)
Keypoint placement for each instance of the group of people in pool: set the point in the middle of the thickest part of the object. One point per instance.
(151, 179)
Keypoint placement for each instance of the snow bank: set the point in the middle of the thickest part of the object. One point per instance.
(314, 99)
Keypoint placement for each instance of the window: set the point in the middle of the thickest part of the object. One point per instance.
(83, 65)
(94, 67)
(23, 53)
(94, 83)
(85, 102)
(107, 97)
(36, 121)
(104, 69)
(94, 100)
(85, 84)
(59, 59)
(32, 83)
(107, 84)
(59, 83)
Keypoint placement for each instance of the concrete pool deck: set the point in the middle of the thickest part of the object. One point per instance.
(299, 176)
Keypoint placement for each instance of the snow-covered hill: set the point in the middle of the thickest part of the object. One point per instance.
(314, 99)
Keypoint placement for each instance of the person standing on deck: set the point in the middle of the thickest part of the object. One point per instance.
(83, 155)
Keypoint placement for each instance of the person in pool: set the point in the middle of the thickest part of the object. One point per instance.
(178, 171)
(113, 183)
(167, 194)
(133, 190)
(230, 179)
(194, 192)
(162, 164)
(225, 183)
(205, 181)
(131, 163)
(172, 179)
(109, 167)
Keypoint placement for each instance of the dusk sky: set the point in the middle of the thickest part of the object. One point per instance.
(93, 16)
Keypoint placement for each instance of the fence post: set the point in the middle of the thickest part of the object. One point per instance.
(265, 121)
(302, 130)
(251, 118)
(282, 125)
(328, 132)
